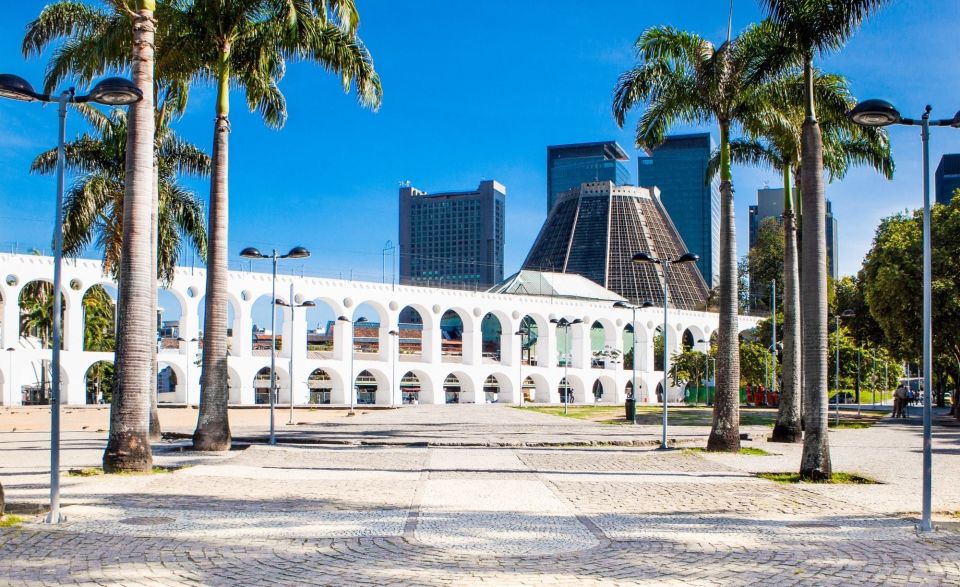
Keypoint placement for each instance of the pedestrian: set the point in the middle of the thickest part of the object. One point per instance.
(749, 394)
(899, 400)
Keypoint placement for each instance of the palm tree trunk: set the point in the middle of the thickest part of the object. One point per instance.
(815, 463)
(787, 428)
(725, 432)
(128, 447)
(155, 432)
(213, 426)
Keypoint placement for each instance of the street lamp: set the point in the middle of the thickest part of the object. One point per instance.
(393, 366)
(294, 253)
(643, 257)
(186, 385)
(353, 325)
(633, 324)
(113, 91)
(565, 324)
(706, 358)
(9, 401)
(521, 332)
(876, 113)
(848, 313)
(293, 306)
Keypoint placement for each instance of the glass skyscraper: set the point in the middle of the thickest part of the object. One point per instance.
(569, 166)
(947, 178)
(678, 168)
(452, 239)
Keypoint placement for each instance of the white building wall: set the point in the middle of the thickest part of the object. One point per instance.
(18, 366)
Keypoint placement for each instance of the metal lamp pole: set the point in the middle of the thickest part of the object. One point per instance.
(293, 306)
(665, 263)
(295, 253)
(520, 332)
(114, 91)
(565, 325)
(353, 326)
(633, 380)
(883, 113)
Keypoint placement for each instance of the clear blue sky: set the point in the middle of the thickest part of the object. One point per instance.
(478, 90)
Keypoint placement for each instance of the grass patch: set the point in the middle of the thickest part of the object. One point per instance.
(744, 450)
(94, 471)
(839, 478)
(853, 424)
(10, 520)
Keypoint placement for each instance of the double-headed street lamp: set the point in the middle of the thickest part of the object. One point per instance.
(112, 91)
(876, 113)
(633, 325)
(294, 253)
(848, 313)
(521, 332)
(293, 306)
(565, 325)
(643, 257)
(353, 326)
(186, 386)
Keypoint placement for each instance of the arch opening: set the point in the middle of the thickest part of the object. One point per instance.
(452, 389)
(99, 319)
(410, 327)
(410, 388)
(451, 337)
(491, 389)
(319, 387)
(98, 382)
(366, 386)
(36, 314)
(491, 337)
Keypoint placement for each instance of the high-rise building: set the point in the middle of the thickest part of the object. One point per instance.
(452, 239)
(595, 229)
(770, 205)
(678, 167)
(568, 166)
(947, 178)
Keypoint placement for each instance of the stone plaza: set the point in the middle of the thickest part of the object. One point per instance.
(454, 495)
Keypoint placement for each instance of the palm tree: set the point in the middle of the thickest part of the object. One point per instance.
(683, 78)
(93, 207)
(773, 140)
(808, 28)
(99, 41)
(246, 44)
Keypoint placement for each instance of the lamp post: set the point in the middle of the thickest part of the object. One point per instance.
(353, 325)
(293, 306)
(10, 387)
(565, 324)
(394, 385)
(665, 263)
(836, 373)
(633, 324)
(295, 253)
(877, 113)
(772, 388)
(186, 385)
(112, 91)
(521, 332)
(706, 358)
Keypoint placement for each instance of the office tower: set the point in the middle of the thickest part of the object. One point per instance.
(594, 231)
(678, 167)
(568, 166)
(770, 205)
(452, 239)
(947, 178)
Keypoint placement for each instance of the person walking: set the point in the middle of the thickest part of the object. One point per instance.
(899, 400)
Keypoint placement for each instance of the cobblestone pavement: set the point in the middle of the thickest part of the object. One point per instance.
(306, 514)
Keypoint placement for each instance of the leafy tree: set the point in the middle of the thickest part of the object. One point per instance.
(766, 262)
(683, 78)
(808, 28)
(36, 312)
(658, 350)
(98, 317)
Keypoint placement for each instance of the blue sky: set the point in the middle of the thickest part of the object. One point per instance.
(478, 90)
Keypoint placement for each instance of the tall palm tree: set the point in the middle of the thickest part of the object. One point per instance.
(808, 28)
(773, 140)
(683, 78)
(93, 207)
(245, 44)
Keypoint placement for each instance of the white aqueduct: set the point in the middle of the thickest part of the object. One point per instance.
(387, 370)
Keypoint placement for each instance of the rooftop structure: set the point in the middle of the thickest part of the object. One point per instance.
(594, 231)
(568, 166)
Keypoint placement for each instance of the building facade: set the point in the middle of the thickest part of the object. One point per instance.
(770, 205)
(568, 166)
(678, 168)
(947, 178)
(452, 239)
(595, 229)
(424, 363)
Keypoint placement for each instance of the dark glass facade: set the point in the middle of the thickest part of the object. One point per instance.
(678, 168)
(594, 231)
(568, 166)
(947, 178)
(453, 239)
